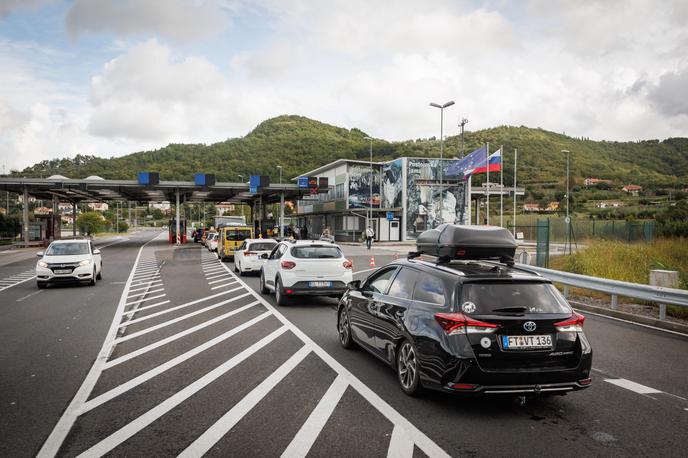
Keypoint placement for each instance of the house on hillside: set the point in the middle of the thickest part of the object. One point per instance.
(632, 189)
(609, 204)
(531, 207)
(164, 206)
(596, 181)
(98, 206)
(42, 211)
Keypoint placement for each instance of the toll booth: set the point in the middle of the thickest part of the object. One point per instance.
(44, 229)
(172, 229)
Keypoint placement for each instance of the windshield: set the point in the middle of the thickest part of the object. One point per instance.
(262, 246)
(67, 249)
(512, 299)
(237, 235)
(316, 252)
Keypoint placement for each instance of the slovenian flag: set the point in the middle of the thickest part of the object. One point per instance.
(494, 163)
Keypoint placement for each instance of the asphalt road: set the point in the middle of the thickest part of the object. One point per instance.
(197, 362)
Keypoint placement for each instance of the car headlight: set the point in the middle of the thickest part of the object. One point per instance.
(42, 264)
(85, 262)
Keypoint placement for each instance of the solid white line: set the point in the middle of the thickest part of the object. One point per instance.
(123, 388)
(175, 320)
(303, 441)
(29, 295)
(427, 445)
(221, 427)
(170, 403)
(223, 286)
(218, 281)
(399, 445)
(138, 301)
(59, 433)
(179, 335)
(140, 309)
(150, 283)
(636, 387)
(584, 312)
(146, 292)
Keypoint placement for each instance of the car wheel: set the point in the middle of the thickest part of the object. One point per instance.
(93, 280)
(263, 288)
(41, 284)
(280, 298)
(408, 369)
(100, 274)
(344, 328)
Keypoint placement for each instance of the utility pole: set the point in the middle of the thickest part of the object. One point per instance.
(462, 123)
(440, 220)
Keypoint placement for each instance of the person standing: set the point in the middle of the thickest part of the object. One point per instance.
(370, 233)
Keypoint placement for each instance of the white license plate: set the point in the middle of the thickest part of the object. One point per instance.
(526, 342)
(63, 271)
(319, 284)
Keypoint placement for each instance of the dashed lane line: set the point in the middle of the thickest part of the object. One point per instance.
(66, 421)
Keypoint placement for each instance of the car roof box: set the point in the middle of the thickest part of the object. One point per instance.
(450, 241)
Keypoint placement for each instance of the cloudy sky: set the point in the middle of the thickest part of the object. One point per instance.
(109, 77)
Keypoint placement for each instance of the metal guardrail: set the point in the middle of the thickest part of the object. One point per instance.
(615, 288)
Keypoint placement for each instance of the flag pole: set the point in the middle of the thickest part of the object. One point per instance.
(468, 207)
(515, 163)
(501, 186)
(487, 163)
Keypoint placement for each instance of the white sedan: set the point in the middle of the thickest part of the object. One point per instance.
(211, 241)
(69, 261)
(247, 258)
(305, 267)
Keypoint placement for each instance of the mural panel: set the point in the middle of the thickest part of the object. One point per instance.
(359, 187)
(392, 182)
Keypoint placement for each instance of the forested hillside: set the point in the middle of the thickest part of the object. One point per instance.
(300, 144)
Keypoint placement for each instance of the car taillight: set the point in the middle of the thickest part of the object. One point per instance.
(573, 324)
(458, 323)
(288, 265)
(348, 264)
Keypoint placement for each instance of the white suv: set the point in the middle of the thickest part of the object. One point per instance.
(305, 267)
(69, 261)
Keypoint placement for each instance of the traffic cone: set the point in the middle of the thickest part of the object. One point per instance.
(396, 256)
(372, 261)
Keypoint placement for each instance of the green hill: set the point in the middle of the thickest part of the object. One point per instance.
(300, 144)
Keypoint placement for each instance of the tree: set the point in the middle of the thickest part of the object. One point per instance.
(90, 222)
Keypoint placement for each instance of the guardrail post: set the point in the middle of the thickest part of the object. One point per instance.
(615, 302)
(666, 278)
(566, 291)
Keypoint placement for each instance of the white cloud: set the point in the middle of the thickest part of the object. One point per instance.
(9, 6)
(179, 20)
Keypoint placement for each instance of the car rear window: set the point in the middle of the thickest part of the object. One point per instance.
(67, 249)
(511, 299)
(316, 252)
(262, 246)
(235, 235)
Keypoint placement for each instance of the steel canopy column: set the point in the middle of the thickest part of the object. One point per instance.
(25, 217)
(73, 219)
(177, 236)
(281, 217)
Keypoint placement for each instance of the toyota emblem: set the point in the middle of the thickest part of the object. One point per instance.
(529, 326)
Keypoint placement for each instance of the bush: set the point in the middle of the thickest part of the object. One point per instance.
(90, 222)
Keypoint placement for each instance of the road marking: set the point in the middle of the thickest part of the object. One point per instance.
(123, 239)
(138, 301)
(179, 335)
(17, 279)
(217, 276)
(175, 320)
(400, 446)
(213, 434)
(212, 271)
(66, 421)
(170, 403)
(147, 292)
(140, 309)
(29, 295)
(223, 286)
(636, 387)
(151, 284)
(585, 312)
(217, 281)
(303, 440)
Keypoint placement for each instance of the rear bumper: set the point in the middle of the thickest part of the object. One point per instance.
(547, 388)
(315, 291)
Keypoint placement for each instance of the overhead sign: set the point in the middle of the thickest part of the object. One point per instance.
(303, 182)
(149, 178)
(204, 179)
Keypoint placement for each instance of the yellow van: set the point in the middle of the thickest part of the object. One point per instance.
(231, 238)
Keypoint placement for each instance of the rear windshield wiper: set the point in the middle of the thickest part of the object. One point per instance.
(511, 309)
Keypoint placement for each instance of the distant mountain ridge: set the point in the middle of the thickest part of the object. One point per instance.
(301, 144)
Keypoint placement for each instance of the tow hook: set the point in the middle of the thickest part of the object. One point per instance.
(520, 400)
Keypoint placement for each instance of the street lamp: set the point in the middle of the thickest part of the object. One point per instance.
(241, 177)
(370, 198)
(280, 175)
(441, 107)
(462, 123)
(568, 218)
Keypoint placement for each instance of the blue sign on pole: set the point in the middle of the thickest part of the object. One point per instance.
(303, 182)
(253, 189)
(390, 216)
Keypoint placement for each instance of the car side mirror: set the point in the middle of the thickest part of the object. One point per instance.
(40, 254)
(355, 285)
(264, 256)
(96, 251)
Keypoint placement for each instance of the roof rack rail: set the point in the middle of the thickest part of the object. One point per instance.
(413, 255)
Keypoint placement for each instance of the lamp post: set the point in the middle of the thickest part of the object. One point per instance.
(281, 212)
(441, 107)
(241, 177)
(370, 197)
(568, 218)
(462, 123)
